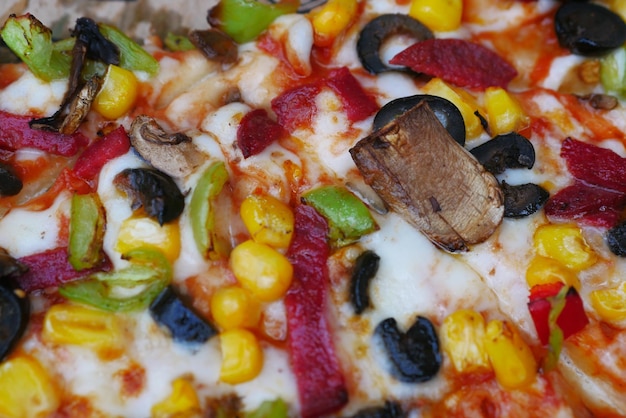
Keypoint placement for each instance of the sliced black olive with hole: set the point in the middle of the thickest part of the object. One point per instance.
(523, 200)
(14, 314)
(10, 183)
(510, 150)
(589, 29)
(447, 113)
(156, 192)
(381, 28)
(414, 356)
(365, 269)
(388, 410)
(616, 239)
(169, 311)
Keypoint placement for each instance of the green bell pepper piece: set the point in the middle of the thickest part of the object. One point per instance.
(87, 219)
(244, 20)
(202, 213)
(32, 42)
(178, 42)
(270, 409)
(348, 217)
(132, 55)
(613, 71)
(150, 272)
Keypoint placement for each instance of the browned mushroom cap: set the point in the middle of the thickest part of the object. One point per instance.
(173, 154)
(431, 181)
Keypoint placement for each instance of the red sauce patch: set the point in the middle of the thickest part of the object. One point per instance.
(132, 379)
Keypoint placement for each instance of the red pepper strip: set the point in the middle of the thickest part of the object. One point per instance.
(16, 134)
(257, 131)
(356, 102)
(571, 320)
(96, 155)
(321, 385)
(464, 63)
(52, 268)
(296, 107)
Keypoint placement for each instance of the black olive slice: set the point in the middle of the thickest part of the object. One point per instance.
(169, 311)
(10, 183)
(14, 314)
(388, 410)
(381, 28)
(589, 29)
(99, 48)
(616, 239)
(414, 356)
(156, 192)
(523, 200)
(510, 150)
(365, 269)
(447, 113)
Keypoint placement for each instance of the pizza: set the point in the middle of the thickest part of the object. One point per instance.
(348, 208)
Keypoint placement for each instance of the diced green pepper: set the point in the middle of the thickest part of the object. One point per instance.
(178, 42)
(613, 71)
(148, 274)
(270, 409)
(132, 55)
(347, 216)
(86, 231)
(202, 214)
(32, 42)
(555, 342)
(244, 20)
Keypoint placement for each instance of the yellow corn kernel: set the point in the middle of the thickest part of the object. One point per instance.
(462, 338)
(610, 304)
(182, 403)
(512, 360)
(235, 307)
(26, 389)
(118, 93)
(332, 19)
(242, 356)
(78, 325)
(438, 15)
(262, 270)
(545, 270)
(619, 7)
(464, 102)
(268, 220)
(504, 113)
(565, 243)
(136, 232)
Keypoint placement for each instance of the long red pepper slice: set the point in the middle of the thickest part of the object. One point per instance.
(52, 268)
(357, 103)
(17, 134)
(320, 381)
(96, 155)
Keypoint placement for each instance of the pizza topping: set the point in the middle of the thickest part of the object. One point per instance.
(9, 266)
(270, 409)
(17, 134)
(610, 303)
(439, 16)
(132, 56)
(613, 71)
(504, 112)
(461, 62)
(545, 270)
(588, 28)
(10, 183)
(365, 269)
(171, 153)
(414, 355)
(141, 231)
(565, 243)
(101, 151)
(215, 45)
(510, 150)
(463, 339)
(242, 356)
(332, 20)
(87, 225)
(321, 384)
(425, 176)
(118, 93)
(15, 309)
(202, 211)
(257, 131)
(379, 30)
(244, 20)
(148, 274)
(357, 104)
(183, 401)
(522, 200)
(390, 409)
(268, 220)
(67, 323)
(616, 239)
(183, 324)
(235, 307)
(347, 216)
(447, 113)
(155, 192)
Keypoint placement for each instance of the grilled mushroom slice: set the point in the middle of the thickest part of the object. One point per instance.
(173, 154)
(429, 179)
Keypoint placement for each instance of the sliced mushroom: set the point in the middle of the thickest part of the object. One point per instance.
(173, 154)
(215, 45)
(429, 179)
(10, 183)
